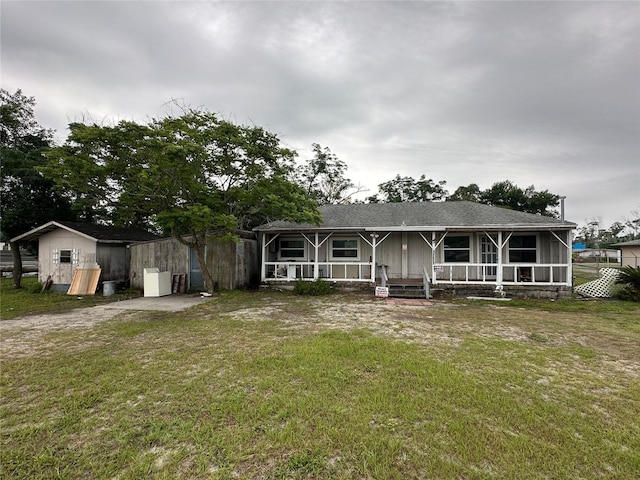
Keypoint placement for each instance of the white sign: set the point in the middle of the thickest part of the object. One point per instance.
(382, 292)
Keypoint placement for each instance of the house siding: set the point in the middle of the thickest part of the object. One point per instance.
(62, 273)
(631, 256)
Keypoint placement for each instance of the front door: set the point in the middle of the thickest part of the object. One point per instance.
(488, 255)
(196, 282)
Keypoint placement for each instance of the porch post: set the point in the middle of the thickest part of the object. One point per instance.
(569, 260)
(315, 267)
(433, 258)
(374, 236)
(499, 272)
(263, 267)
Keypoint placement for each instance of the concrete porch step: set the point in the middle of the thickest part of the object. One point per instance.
(406, 291)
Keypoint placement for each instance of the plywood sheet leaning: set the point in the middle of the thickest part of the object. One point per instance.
(85, 281)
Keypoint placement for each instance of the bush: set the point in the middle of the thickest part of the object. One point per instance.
(629, 279)
(317, 287)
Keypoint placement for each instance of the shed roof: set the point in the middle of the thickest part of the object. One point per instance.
(630, 243)
(420, 216)
(99, 233)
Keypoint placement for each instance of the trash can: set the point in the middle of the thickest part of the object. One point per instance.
(108, 288)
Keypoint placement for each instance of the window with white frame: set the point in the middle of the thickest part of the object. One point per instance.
(345, 249)
(65, 256)
(457, 249)
(292, 248)
(523, 249)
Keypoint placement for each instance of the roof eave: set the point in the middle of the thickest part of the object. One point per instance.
(46, 228)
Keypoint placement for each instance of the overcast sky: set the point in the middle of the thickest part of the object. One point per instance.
(542, 93)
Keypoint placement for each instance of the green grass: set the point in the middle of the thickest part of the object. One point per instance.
(265, 385)
(586, 272)
(30, 299)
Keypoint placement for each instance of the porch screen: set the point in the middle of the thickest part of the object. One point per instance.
(456, 249)
(522, 249)
(344, 248)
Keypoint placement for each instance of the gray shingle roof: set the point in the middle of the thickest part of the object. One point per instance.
(414, 216)
(101, 233)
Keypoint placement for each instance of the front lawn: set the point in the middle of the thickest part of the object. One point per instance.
(31, 299)
(274, 386)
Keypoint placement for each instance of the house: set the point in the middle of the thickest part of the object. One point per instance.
(65, 246)
(455, 247)
(232, 264)
(630, 253)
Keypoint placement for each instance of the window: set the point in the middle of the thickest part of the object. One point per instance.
(456, 249)
(291, 248)
(65, 256)
(344, 249)
(522, 249)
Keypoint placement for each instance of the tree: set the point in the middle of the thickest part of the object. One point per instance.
(190, 176)
(27, 197)
(507, 194)
(407, 189)
(323, 178)
(469, 193)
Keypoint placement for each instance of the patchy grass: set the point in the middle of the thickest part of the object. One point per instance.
(30, 299)
(586, 272)
(273, 385)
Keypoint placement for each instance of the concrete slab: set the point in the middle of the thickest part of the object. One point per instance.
(168, 303)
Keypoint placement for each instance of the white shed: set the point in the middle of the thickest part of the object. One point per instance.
(66, 246)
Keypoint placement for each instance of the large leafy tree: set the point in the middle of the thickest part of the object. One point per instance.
(190, 176)
(323, 177)
(508, 195)
(470, 193)
(407, 189)
(27, 197)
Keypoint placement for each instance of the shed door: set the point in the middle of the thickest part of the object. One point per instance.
(195, 275)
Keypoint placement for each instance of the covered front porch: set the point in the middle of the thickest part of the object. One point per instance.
(440, 257)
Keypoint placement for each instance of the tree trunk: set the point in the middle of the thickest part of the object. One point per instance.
(17, 265)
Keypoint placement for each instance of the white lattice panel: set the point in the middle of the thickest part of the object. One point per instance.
(600, 288)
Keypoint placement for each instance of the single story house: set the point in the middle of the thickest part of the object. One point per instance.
(65, 246)
(630, 253)
(456, 247)
(231, 264)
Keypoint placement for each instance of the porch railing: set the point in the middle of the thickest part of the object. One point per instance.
(512, 273)
(331, 271)
(444, 273)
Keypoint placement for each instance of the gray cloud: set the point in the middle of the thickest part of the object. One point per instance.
(542, 93)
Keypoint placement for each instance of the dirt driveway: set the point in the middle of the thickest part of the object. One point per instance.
(18, 334)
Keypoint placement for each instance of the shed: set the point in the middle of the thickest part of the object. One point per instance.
(630, 252)
(232, 264)
(65, 246)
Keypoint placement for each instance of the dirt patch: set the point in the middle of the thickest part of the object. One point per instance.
(19, 335)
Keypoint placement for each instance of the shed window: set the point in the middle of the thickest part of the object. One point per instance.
(65, 256)
(344, 248)
(457, 249)
(523, 249)
(291, 248)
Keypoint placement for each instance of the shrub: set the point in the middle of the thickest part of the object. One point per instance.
(317, 287)
(629, 279)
